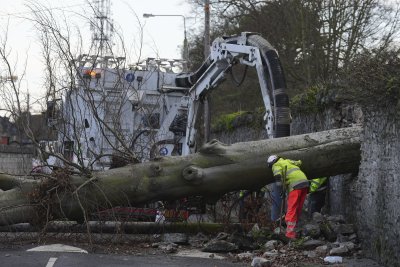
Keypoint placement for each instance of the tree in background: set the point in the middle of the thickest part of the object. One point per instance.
(315, 39)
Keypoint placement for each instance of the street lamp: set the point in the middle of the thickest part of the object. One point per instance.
(185, 44)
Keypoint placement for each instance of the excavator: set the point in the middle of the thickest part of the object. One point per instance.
(248, 49)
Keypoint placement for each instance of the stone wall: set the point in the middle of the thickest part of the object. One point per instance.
(377, 188)
(16, 160)
(371, 198)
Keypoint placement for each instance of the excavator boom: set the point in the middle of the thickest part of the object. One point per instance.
(249, 49)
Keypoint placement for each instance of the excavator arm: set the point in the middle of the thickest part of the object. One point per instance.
(249, 49)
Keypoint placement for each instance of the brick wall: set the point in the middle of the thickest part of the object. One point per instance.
(16, 159)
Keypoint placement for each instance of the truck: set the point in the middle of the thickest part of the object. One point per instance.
(138, 112)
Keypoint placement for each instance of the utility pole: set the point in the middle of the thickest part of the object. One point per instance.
(206, 28)
(206, 104)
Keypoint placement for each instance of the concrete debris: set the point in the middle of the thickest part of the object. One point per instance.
(177, 238)
(341, 238)
(166, 247)
(339, 251)
(243, 242)
(222, 236)
(312, 243)
(260, 262)
(310, 254)
(322, 250)
(220, 246)
(349, 245)
(198, 240)
(245, 256)
(271, 254)
(312, 230)
(271, 244)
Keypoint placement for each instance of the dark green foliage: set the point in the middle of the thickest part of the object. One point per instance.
(374, 78)
(307, 102)
(231, 121)
(318, 97)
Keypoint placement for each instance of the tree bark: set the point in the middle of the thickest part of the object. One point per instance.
(215, 170)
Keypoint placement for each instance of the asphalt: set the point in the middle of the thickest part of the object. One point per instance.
(21, 257)
(60, 255)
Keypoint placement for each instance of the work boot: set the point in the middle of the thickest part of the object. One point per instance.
(291, 235)
(290, 230)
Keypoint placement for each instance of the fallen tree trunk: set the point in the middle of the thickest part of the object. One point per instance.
(216, 169)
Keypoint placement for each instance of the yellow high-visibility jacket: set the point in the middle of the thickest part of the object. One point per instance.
(318, 184)
(294, 178)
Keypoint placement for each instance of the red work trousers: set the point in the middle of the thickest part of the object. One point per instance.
(295, 203)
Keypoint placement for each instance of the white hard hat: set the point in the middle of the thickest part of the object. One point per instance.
(272, 159)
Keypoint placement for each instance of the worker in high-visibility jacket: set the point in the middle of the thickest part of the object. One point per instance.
(295, 182)
(316, 198)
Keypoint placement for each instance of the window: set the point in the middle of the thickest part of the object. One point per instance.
(151, 120)
(69, 150)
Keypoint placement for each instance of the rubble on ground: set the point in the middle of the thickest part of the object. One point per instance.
(321, 240)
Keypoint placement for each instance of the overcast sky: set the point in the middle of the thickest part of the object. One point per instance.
(163, 36)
